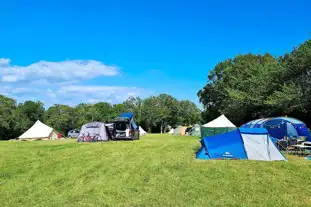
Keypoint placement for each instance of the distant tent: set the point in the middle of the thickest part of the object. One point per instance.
(142, 131)
(242, 143)
(188, 129)
(39, 131)
(217, 126)
(171, 131)
(93, 132)
(180, 130)
(195, 130)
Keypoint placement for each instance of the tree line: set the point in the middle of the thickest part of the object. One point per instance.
(251, 86)
(154, 114)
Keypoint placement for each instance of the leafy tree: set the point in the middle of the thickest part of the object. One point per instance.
(150, 112)
(167, 110)
(239, 87)
(84, 113)
(253, 86)
(60, 117)
(118, 109)
(188, 113)
(7, 107)
(26, 114)
(103, 112)
(134, 104)
(33, 110)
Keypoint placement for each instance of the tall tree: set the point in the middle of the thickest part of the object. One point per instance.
(103, 112)
(134, 104)
(150, 112)
(167, 107)
(118, 109)
(26, 114)
(188, 113)
(7, 107)
(60, 117)
(239, 87)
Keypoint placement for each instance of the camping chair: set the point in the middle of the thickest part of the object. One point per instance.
(292, 142)
(282, 145)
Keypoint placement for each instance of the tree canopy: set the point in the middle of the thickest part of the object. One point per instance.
(153, 113)
(252, 86)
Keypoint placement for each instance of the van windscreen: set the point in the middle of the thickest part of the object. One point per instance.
(121, 126)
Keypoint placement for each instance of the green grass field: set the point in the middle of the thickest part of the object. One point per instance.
(158, 170)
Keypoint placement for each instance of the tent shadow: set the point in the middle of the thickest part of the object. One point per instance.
(120, 139)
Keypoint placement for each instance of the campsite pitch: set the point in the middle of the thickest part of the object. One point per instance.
(158, 170)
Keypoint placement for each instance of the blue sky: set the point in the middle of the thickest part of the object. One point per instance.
(88, 51)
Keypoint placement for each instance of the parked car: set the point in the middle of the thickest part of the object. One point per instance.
(125, 127)
(73, 133)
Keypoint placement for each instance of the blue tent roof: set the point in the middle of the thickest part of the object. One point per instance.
(253, 130)
(228, 145)
(263, 120)
(243, 143)
(280, 127)
(128, 115)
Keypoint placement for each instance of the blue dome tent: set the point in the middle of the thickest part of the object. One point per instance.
(281, 127)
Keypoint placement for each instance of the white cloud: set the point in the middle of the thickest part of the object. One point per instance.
(55, 72)
(4, 61)
(73, 94)
(9, 78)
(62, 82)
(92, 89)
(93, 94)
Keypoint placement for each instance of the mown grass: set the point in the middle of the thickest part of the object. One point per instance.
(158, 170)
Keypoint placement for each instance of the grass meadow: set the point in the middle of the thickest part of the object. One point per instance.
(157, 170)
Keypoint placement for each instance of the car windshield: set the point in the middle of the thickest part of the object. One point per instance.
(121, 126)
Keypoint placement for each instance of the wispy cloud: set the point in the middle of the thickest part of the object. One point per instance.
(91, 94)
(62, 82)
(4, 62)
(55, 71)
(74, 94)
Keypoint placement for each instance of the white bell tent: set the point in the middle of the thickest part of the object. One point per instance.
(217, 126)
(220, 122)
(39, 131)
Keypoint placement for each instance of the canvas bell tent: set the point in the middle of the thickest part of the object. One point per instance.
(242, 143)
(196, 130)
(217, 126)
(39, 131)
(93, 132)
(180, 130)
(281, 127)
(142, 131)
